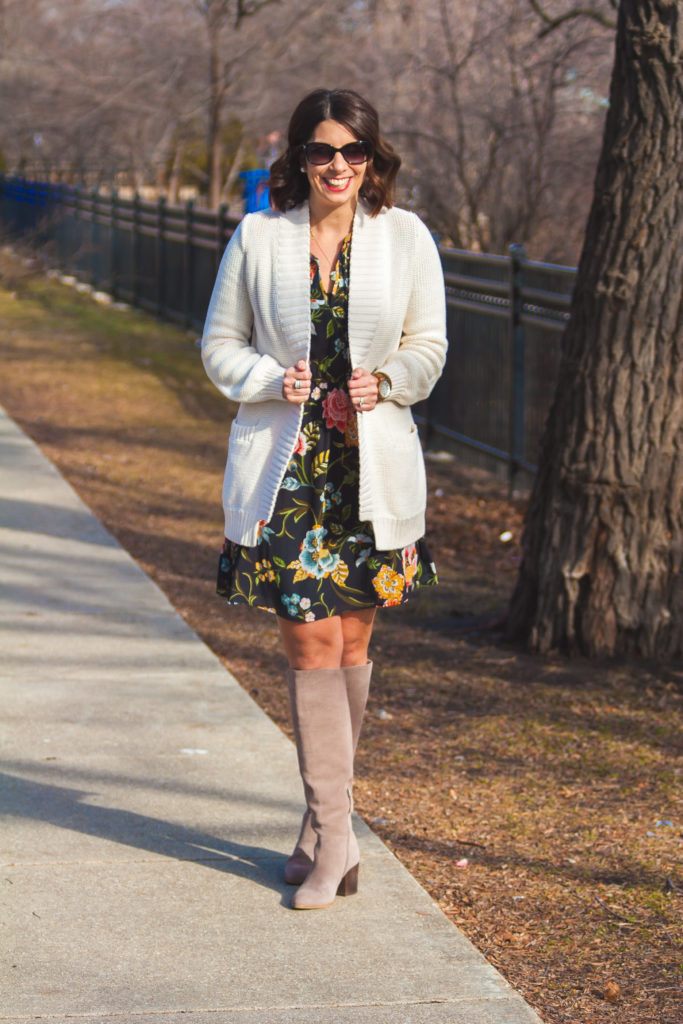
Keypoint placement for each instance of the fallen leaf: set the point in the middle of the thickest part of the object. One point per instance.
(612, 992)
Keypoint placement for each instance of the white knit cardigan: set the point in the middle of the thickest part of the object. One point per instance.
(259, 323)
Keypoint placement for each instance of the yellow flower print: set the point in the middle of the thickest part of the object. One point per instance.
(389, 585)
(265, 572)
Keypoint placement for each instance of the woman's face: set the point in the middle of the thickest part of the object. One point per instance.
(337, 184)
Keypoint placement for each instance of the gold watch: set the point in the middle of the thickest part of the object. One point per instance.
(383, 386)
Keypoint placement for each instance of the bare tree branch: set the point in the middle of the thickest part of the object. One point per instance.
(553, 22)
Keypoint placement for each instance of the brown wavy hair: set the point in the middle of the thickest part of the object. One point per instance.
(289, 187)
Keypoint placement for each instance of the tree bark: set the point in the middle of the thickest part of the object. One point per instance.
(603, 538)
(215, 110)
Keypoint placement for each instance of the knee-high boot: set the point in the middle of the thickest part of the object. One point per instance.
(357, 678)
(322, 726)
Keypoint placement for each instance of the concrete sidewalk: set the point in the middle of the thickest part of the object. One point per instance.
(148, 808)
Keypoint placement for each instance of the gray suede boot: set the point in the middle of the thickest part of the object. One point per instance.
(298, 866)
(322, 726)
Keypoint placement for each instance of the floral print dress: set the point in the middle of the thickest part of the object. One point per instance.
(315, 558)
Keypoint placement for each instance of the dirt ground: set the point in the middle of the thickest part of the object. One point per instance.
(538, 800)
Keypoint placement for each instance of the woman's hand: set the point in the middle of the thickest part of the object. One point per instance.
(363, 390)
(296, 386)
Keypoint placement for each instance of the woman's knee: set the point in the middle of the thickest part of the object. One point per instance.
(311, 645)
(356, 634)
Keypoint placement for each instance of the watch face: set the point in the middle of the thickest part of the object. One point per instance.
(384, 388)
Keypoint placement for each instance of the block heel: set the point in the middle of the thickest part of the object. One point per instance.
(349, 883)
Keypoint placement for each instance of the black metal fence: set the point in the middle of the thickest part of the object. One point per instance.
(506, 314)
(161, 258)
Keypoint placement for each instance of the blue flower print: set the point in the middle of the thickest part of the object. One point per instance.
(291, 603)
(315, 559)
(330, 497)
(365, 541)
(265, 532)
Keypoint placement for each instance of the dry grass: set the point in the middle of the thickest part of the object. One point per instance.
(530, 796)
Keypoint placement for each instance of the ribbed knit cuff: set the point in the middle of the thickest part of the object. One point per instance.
(397, 373)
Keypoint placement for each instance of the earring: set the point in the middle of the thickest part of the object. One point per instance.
(303, 170)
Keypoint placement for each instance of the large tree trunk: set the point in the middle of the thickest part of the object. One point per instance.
(603, 539)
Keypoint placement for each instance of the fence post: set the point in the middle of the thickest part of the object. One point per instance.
(221, 235)
(94, 250)
(63, 227)
(113, 240)
(516, 439)
(135, 267)
(161, 255)
(188, 264)
(51, 218)
(78, 237)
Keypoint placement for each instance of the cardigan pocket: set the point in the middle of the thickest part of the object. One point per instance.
(239, 433)
(400, 466)
(243, 471)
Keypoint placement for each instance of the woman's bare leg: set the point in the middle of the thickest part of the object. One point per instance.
(356, 633)
(336, 642)
(312, 645)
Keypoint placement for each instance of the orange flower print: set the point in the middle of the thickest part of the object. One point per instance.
(264, 571)
(351, 432)
(389, 586)
(409, 564)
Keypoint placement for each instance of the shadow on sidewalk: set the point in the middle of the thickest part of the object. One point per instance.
(64, 808)
(54, 521)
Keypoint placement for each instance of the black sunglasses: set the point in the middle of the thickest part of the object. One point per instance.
(319, 153)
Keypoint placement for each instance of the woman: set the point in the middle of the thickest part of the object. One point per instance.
(327, 321)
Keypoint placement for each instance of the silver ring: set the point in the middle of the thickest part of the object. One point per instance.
(360, 403)
(297, 384)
